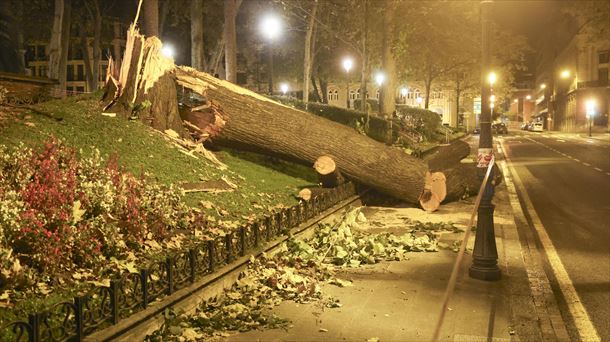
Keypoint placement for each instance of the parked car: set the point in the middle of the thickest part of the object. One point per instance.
(525, 126)
(499, 128)
(537, 127)
(477, 130)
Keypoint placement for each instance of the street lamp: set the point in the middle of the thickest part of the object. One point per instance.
(484, 254)
(565, 74)
(404, 91)
(379, 79)
(528, 97)
(347, 65)
(284, 88)
(168, 51)
(492, 78)
(270, 27)
(543, 86)
(590, 105)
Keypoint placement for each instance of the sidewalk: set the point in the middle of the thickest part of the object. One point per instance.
(400, 301)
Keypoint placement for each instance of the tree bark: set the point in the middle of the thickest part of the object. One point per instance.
(387, 101)
(447, 156)
(197, 48)
(151, 17)
(58, 47)
(428, 86)
(230, 11)
(364, 71)
(255, 121)
(307, 60)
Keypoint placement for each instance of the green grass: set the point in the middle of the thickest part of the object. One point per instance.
(262, 182)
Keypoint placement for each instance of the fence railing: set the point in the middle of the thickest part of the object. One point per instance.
(132, 292)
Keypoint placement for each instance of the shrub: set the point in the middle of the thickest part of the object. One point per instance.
(59, 213)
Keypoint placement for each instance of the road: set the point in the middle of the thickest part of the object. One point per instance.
(567, 179)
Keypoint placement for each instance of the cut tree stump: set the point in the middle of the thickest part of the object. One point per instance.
(309, 193)
(328, 173)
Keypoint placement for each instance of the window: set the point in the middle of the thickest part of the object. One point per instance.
(43, 71)
(602, 76)
(604, 56)
(352, 95)
(80, 73)
(333, 95)
(80, 89)
(70, 72)
(40, 52)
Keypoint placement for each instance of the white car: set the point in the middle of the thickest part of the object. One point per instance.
(537, 127)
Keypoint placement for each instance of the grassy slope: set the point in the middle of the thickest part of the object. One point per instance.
(260, 180)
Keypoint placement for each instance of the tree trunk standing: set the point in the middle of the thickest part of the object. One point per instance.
(364, 71)
(257, 122)
(84, 44)
(458, 93)
(65, 44)
(230, 41)
(97, 50)
(55, 43)
(163, 10)
(197, 49)
(386, 100)
(151, 17)
(316, 91)
(307, 61)
(270, 67)
(428, 86)
(324, 89)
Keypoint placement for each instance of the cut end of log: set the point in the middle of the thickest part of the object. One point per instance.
(325, 165)
(304, 194)
(429, 201)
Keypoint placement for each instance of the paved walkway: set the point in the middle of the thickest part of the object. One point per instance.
(400, 301)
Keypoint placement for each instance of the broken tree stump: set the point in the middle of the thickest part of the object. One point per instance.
(447, 156)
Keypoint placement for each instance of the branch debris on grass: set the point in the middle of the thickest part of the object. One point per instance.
(296, 273)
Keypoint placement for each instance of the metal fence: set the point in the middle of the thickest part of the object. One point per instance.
(104, 306)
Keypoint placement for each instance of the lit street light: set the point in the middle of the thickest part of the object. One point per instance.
(284, 88)
(565, 74)
(543, 86)
(270, 27)
(492, 78)
(528, 97)
(347, 65)
(590, 105)
(168, 51)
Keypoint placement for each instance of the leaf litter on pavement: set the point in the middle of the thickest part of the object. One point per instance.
(296, 273)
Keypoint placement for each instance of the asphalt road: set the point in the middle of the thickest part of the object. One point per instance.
(567, 178)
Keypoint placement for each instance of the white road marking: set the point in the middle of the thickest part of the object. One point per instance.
(586, 164)
(586, 330)
(559, 140)
(597, 169)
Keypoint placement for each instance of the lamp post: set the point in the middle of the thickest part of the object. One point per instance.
(590, 105)
(270, 27)
(380, 78)
(485, 255)
(347, 65)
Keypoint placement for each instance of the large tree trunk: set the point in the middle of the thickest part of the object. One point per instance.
(230, 11)
(307, 60)
(255, 121)
(428, 86)
(151, 17)
(364, 70)
(447, 156)
(388, 88)
(60, 40)
(97, 50)
(197, 49)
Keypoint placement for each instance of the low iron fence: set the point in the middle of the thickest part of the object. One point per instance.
(132, 292)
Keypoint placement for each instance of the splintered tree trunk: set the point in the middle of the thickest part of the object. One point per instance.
(255, 121)
(146, 86)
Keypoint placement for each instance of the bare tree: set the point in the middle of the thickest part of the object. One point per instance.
(230, 11)
(387, 101)
(60, 40)
(197, 48)
(151, 17)
(307, 61)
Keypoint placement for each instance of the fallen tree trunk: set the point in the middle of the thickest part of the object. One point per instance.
(253, 120)
(229, 114)
(447, 156)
